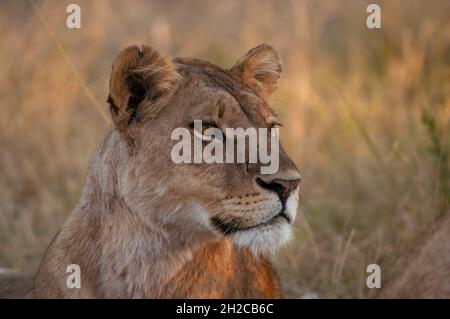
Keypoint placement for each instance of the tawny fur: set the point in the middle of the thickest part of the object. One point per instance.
(142, 228)
(425, 271)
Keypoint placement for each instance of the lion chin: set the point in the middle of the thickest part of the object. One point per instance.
(264, 239)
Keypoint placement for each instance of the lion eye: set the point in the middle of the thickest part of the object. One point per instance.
(208, 130)
(274, 125)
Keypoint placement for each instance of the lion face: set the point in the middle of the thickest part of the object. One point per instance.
(152, 96)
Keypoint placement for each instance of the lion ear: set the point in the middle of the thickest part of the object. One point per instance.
(260, 68)
(142, 81)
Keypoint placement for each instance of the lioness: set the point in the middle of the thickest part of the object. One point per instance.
(146, 227)
(424, 272)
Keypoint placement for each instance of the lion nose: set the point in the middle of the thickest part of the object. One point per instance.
(283, 187)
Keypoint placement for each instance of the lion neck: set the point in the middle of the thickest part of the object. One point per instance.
(141, 248)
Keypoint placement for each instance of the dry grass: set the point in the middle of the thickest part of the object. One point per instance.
(366, 116)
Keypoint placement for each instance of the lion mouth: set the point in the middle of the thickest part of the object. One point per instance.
(230, 228)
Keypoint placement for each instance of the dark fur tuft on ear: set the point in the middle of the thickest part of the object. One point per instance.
(140, 74)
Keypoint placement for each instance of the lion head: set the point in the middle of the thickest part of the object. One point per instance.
(150, 97)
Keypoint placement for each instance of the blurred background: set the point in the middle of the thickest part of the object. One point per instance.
(365, 112)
